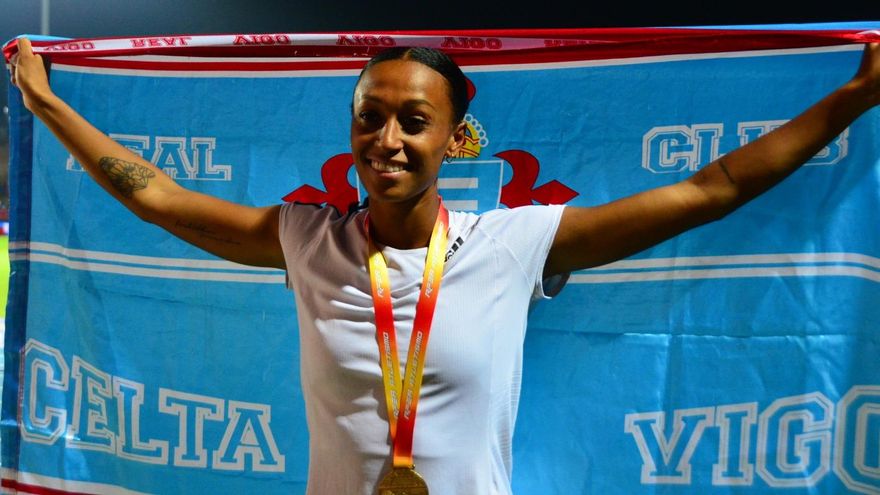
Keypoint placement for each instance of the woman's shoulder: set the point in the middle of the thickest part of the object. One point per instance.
(507, 224)
(311, 217)
(527, 213)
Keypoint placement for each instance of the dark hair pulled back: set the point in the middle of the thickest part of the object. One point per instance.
(434, 59)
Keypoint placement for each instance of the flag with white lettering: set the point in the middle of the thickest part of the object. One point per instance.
(739, 356)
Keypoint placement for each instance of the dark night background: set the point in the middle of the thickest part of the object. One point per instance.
(91, 18)
(97, 18)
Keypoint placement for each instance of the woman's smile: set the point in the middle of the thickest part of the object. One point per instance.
(383, 166)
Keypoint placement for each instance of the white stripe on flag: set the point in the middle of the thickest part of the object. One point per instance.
(717, 273)
(743, 259)
(150, 272)
(461, 204)
(194, 74)
(136, 259)
(459, 183)
(156, 267)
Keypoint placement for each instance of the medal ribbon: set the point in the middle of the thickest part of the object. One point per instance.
(405, 389)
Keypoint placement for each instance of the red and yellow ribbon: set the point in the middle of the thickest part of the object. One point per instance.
(402, 393)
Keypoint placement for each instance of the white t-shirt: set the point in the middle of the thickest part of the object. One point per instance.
(470, 392)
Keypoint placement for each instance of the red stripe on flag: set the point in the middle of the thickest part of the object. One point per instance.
(490, 46)
(35, 489)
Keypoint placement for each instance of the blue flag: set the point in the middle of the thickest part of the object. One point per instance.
(742, 355)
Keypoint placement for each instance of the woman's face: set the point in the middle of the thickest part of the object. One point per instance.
(401, 129)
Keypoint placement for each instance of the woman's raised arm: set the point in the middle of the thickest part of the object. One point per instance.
(595, 236)
(239, 233)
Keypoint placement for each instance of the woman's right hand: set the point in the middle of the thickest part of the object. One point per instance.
(29, 75)
(869, 72)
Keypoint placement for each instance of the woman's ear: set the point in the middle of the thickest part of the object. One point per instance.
(456, 140)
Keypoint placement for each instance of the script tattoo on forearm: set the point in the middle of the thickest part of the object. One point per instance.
(204, 232)
(126, 177)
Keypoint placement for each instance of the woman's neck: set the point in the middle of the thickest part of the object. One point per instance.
(404, 225)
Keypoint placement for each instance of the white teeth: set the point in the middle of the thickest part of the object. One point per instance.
(385, 167)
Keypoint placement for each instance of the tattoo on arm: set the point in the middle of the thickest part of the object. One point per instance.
(126, 177)
(204, 232)
(726, 172)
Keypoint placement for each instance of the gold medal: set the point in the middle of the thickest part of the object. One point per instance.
(403, 481)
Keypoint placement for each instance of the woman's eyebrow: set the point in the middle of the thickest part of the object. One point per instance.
(414, 102)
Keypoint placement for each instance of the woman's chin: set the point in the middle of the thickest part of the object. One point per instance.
(399, 196)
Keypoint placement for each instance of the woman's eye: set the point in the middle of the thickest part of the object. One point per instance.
(368, 116)
(413, 125)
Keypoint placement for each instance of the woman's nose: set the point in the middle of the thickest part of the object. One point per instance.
(390, 136)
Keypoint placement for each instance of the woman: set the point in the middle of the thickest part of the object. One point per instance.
(356, 277)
